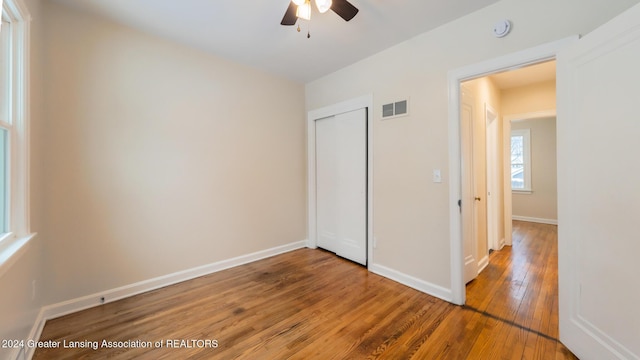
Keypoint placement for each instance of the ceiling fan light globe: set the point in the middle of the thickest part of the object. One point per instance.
(323, 5)
(298, 2)
(304, 11)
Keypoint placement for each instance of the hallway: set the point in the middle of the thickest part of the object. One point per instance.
(512, 306)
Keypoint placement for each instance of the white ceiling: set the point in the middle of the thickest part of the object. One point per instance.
(249, 31)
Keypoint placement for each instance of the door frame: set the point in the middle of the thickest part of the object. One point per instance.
(534, 55)
(366, 102)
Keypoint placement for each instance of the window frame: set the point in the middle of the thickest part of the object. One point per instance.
(526, 149)
(13, 242)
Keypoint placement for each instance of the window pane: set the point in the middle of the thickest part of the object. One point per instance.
(517, 149)
(4, 211)
(517, 162)
(517, 176)
(5, 70)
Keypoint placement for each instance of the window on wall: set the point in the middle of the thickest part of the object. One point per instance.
(14, 64)
(521, 160)
(5, 115)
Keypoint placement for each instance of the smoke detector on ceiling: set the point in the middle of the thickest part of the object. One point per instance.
(502, 28)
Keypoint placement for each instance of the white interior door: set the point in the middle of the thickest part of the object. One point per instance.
(598, 197)
(491, 118)
(469, 203)
(341, 184)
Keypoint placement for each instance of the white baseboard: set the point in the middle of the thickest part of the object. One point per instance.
(34, 334)
(595, 341)
(53, 311)
(483, 263)
(410, 281)
(535, 220)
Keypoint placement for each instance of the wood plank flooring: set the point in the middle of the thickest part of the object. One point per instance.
(512, 307)
(310, 304)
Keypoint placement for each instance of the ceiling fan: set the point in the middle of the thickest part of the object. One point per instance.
(302, 9)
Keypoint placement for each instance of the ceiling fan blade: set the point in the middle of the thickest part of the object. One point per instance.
(290, 17)
(344, 9)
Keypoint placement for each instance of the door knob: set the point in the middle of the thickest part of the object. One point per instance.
(478, 199)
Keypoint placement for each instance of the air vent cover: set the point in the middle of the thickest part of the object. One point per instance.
(395, 109)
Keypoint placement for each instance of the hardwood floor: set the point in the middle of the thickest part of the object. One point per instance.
(512, 307)
(310, 304)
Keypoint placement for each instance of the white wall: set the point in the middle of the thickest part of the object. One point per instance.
(411, 222)
(160, 158)
(18, 305)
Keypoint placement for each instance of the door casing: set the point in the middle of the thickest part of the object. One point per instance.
(513, 61)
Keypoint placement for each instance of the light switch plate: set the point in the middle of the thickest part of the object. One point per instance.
(437, 176)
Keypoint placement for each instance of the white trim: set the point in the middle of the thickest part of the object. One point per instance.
(522, 192)
(412, 282)
(34, 334)
(483, 263)
(12, 250)
(84, 302)
(365, 101)
(18, 161)
(513, 61)
(609, 346)
(535, 220)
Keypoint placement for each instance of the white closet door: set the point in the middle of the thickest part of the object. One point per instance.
(341, 184)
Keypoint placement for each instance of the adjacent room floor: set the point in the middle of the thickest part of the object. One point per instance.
(311, 304)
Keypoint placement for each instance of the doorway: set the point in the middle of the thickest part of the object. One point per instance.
(526, 97)
(514, 61)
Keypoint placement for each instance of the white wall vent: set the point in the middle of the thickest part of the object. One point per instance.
(395, 109)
